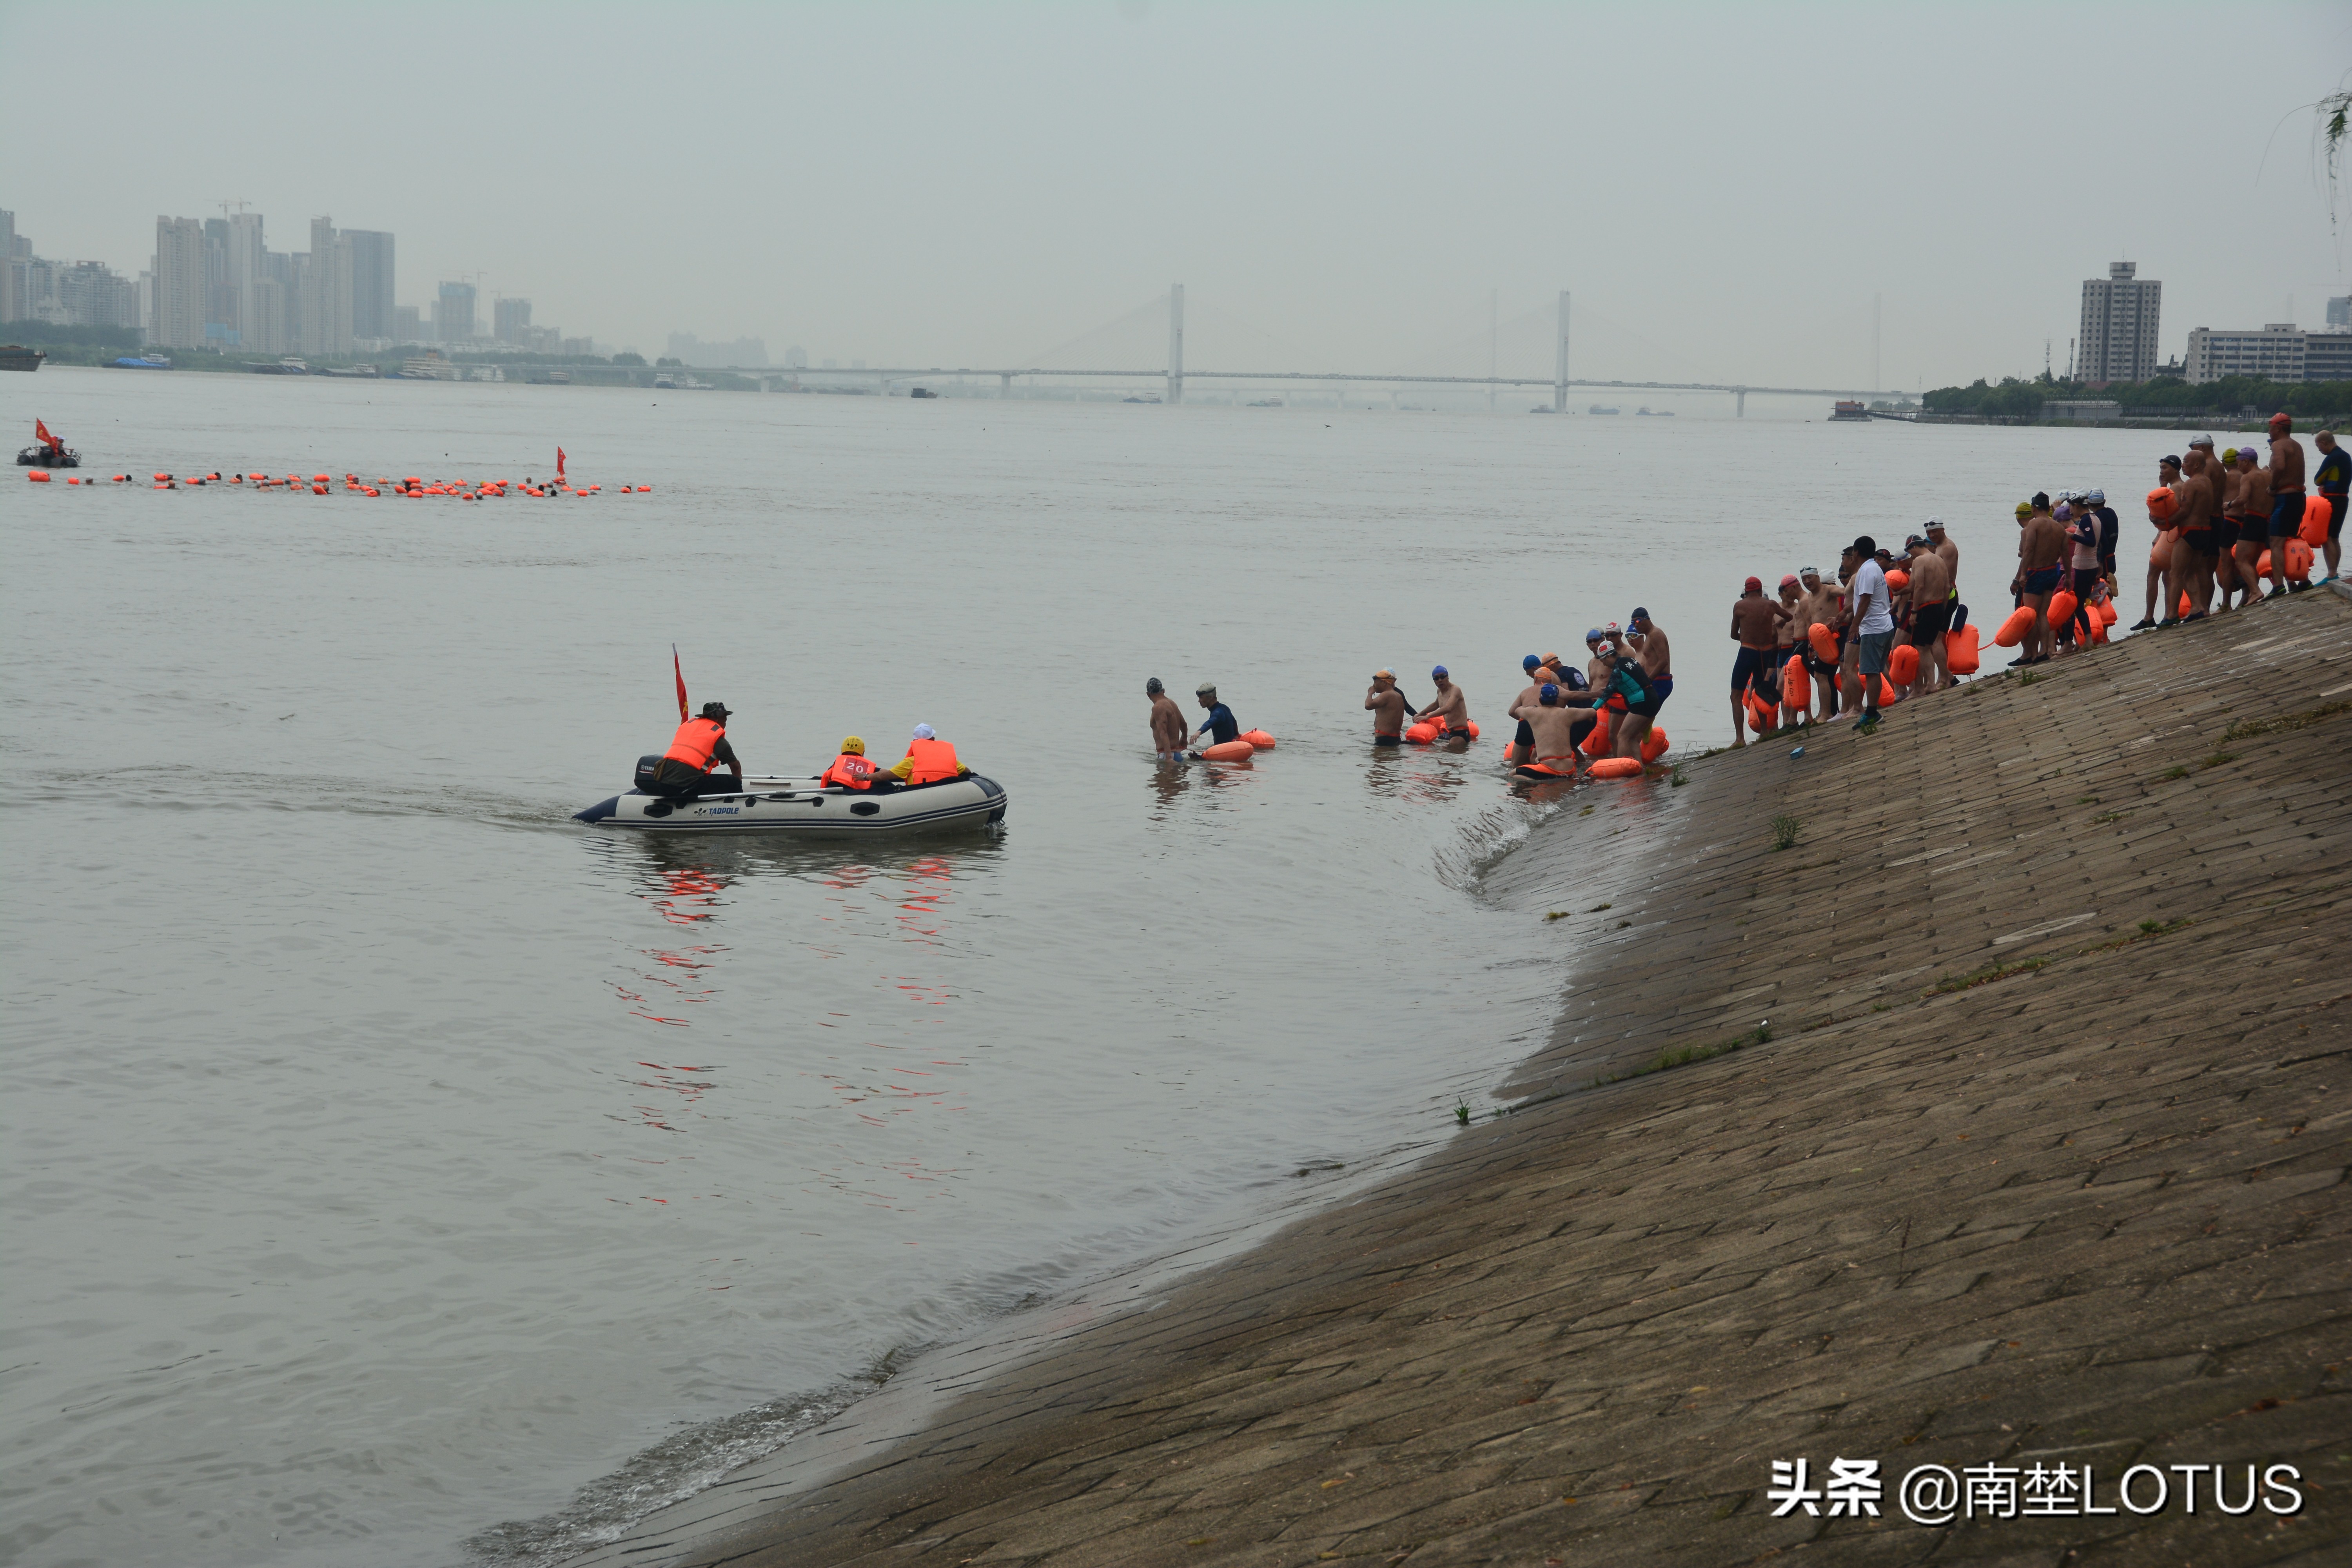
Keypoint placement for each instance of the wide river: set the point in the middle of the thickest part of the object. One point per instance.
(398, 1173)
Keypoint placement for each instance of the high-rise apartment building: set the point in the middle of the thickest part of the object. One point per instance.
(249, 268)
(510, 320)
(179, 300)
(8, 312)
(453, 313)
(326, 292)
(371, 306)
(407, 324)
(2275, 353)
(2339, 310)
(2120, 323)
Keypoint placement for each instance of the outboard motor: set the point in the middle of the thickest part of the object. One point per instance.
(646, 768)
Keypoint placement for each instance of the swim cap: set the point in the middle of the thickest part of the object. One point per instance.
(1553, 660)
(2280, 421)
(1529, 662)
(1152, 688)
(1438, 673)
(1609, 630)
(1206, 688)
(2169, 460)
(1549, 695)
(1790, 580)
(2025, 508)
(1595, 634)
(1639, 615)
(2207, 441)
(1754, 585)
(2065, 513)
(1384, 675)
(2230, 455)
(1810, 571)
(925, 732)
(2096, 497)
(1937, 522)
(853, 746)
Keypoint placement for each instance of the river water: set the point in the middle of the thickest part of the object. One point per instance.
(400, 1174)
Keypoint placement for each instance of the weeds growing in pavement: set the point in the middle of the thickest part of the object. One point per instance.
(1462, 1112)
(1785, 829)
(1676, 779)
(2303, 721)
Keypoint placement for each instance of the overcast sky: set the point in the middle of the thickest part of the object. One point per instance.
(1339, 186)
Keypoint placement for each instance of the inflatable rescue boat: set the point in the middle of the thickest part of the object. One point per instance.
(768, 805)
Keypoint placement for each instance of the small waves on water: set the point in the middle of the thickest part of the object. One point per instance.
(188, 788)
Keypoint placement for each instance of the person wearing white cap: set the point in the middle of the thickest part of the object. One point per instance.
(928, 759)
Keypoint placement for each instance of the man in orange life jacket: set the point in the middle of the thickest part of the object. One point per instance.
(851, 770)
(928, 759)
(700, 745)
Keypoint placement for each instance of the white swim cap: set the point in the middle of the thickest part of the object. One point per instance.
(925, 732)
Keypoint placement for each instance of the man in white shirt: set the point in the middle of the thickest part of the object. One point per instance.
(1871, 613)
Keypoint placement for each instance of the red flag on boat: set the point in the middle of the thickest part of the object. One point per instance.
(52, 442)
(677, 670)
(559, 464)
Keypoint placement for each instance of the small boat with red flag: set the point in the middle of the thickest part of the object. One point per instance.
(47, 451)
(798, 805)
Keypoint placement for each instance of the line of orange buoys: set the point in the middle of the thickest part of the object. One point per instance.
(413, 486)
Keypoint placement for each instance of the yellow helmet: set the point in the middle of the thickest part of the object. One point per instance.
(852, 746)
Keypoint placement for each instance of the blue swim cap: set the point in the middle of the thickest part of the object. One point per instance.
(1639, 615)
(1438, 671)
(1550, 695)
(1529, 662)
(1595, 634)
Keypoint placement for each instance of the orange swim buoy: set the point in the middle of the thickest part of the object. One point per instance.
(1796, 685)
(1615, 768)
(1825, 641)
(1420, 734)
(1898, 580)
(1229, 752)
(1654, 744)
(2162, 503)
(2262, 565)
(1596, 740)
(1760, 717)
(1259, 739)
(2298, 561)
(2185, 606)
(2316, 515)
(2063, 606)
(2012, 630)
(2106, 608)
(37, 476)
(1904, 665)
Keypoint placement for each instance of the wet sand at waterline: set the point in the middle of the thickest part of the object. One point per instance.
(394, 1165)
(2039, 1161)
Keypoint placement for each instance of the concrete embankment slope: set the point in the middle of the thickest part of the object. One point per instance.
(2044, 1163)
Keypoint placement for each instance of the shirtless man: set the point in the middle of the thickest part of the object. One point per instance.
(2220, 566)
(1386, 704)
(1756, 627)
(2250, 510)
(2287, 496)
(1817, 606)
(2041, 549)
(1942, 544)
(1596, 679)
(1648, 641)
(1167, 723)
(1792, 596)
(2161, 590)
(1931, 611)
(1522, 746)
(1451, 711)
(1558, 728)
(2193, 550)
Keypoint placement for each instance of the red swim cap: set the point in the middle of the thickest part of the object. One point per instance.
(1754, 585)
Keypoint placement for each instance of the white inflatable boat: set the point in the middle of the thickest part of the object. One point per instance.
(803, 805)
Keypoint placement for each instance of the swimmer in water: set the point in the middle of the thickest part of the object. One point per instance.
(1386, 705)
(1558, 729)
(1523, 741)
(1167, 723)
(1450, 710)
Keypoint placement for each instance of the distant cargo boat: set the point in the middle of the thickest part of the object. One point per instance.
(1850, 408)
(1654, 413)
(349, 370)
(290, 366)
(432, 367)
(552, 378)
(16, 357)
(142, 361)
(1596, 408)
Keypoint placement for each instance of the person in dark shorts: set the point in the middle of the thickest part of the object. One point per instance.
(1756, 627)
(2286, 472)
(2332, 480)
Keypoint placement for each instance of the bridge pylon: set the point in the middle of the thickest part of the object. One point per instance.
(1175, 342)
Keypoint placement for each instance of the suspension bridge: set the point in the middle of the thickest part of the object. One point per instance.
(1175, 373)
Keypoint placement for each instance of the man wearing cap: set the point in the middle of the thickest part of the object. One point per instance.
(1756, 627)
(1523, 739)
(700, 745)
(1219, 726)
(2333, 478)
(1450, 710)
(1597, 663)
(2041, 565)
(2249, 521)
(1386, 704)
(2287, 496)
(1791, 594)
(1557, 731)
(1941, 542)
(1649, 647)
(1931, 611)
(1818, 605)
(2110, 536)
(1167, 723)
(928, 759)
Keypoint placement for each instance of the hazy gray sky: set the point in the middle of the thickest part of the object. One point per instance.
(1339, 186)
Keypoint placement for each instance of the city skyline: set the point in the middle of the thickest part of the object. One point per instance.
(1338, 189)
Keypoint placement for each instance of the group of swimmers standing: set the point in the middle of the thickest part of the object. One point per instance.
(2224, 512)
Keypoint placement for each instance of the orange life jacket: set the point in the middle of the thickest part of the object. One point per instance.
(851, 770)
(696, 743)
(933, 760)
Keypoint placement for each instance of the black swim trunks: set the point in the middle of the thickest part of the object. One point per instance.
(2043, 582)
(1930, 623)
(1388, 741)
(1751, 662)
(2201, 542)
(1524, 736)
